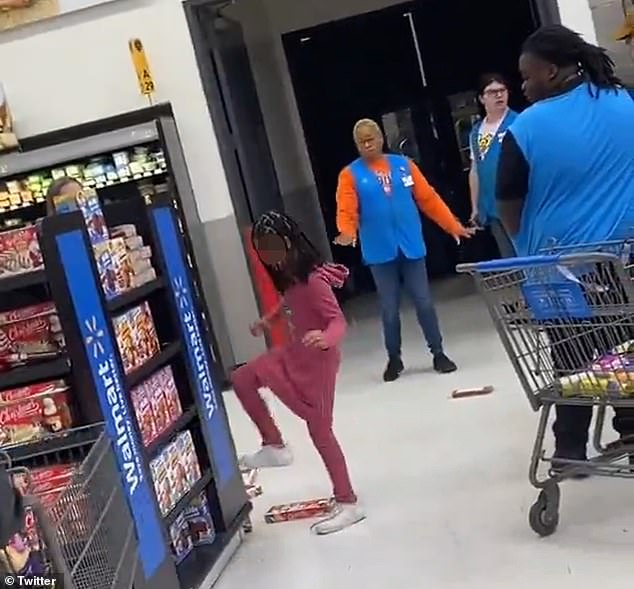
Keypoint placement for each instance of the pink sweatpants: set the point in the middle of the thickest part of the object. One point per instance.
(263, 373)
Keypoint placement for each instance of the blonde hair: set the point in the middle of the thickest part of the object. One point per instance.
(366, 124)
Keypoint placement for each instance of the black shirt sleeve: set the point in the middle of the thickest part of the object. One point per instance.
(512, 173)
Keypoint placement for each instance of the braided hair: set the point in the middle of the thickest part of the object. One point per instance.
(563, 47)
(302, 256)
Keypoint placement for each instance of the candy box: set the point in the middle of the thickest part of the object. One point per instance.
(32, 412)
(124, 332)
(158, 404)
(123, 231)
(106, 269)
(145, 338)
(144, 278)
(88, 203)
(177, 472)
(166, 382)
(189, 460)
(298, 510)
(144, 415)
(141, 266)
(122, 264)
(20, 251)
(180, 538)
(134, 243)
(158, 468)
(144, 253)
(30, 330)
(200, 522)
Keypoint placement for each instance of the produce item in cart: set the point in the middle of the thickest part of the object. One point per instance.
(298, 510)
(201, 526)
(30, 330)
(33, 412)
(143, 412)
(20, 251)
(181, 540)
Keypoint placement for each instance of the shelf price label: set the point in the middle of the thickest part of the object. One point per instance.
(147, 86)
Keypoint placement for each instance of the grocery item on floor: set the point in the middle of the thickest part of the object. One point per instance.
(249, 478)
(20, 251)
(136, 337)
(298, 510)
(466, 393)
(32, 412)
(30, 330)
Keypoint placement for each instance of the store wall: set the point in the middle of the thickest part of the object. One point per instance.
(76, 68)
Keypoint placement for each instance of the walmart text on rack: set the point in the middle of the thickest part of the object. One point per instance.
(52, 581)
(123, 427)
(202, 367)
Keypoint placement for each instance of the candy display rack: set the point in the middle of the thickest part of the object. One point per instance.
(169, 489)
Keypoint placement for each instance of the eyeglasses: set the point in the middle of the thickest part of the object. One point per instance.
(495, 92)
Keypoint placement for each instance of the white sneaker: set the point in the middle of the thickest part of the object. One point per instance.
(342, 516)
(267, 457)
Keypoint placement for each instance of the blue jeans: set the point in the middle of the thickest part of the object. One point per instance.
(412, 274)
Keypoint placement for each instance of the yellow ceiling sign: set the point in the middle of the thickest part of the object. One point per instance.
(142, 67)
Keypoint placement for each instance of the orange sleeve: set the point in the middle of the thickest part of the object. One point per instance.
(431, 204)
(347, 205)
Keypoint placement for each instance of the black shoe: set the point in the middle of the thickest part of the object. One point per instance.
(443, 364)
(393, 370)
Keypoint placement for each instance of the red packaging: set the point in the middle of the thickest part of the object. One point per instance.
(159, 405)
(144, 331)
(143, 410)
(168, 385)
(30, 330)
(198, 517)
(162, 487)
(299, 510)
(125, 340)
(32, 412)
(180, 539)
(177, 472)
(19, 251)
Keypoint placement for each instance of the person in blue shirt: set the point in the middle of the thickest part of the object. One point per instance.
(566, 174)
(486, 145)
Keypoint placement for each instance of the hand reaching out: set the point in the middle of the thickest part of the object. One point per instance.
(345, 240)
(259, 327)
(315, 339)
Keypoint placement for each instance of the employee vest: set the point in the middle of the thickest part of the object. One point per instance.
(389, 221)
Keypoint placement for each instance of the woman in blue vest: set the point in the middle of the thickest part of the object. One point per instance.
(567, 173)
(486, 146)
(378, 199)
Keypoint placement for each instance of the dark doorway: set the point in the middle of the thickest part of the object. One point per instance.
(413, 68)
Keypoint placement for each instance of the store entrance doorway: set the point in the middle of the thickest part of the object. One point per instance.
(413, 68)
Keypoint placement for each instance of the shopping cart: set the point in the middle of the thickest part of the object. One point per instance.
(87, 535)
(566, 320)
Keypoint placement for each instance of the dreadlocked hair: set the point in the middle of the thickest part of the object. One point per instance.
(564, 48)
(302, 256)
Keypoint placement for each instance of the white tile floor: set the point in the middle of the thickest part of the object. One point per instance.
(444, 483)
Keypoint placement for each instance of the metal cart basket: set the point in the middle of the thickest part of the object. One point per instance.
(87, 535)
(566, 320)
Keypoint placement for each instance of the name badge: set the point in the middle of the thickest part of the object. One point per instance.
(408, 181)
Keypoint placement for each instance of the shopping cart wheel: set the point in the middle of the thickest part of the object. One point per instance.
(544, 514)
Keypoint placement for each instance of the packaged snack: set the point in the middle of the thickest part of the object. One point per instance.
(30, 330)
(124, 231)
(299, 510)
(200, 522)
(32, 412)
(144, 278)
(161, 479)
(134, 243)
(88, 203)
(20, 251)
(122, 265)
(181, 540)
(145, 333)
(158, 404)
(144, 253)
(144, 414)
(177, 472)
(166, 382)
(125, 340)
(187, 453)
(141, 266)
(611, 363)
(106, 269)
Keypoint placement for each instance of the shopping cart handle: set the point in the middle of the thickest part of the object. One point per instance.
(504, 264)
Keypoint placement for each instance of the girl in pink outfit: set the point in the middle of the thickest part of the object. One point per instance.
(302, 374)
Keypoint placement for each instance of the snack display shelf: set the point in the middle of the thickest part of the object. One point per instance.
(163, 358)
(31, 373)
(134, 296)
(55, 443)
(184, 421)
(21, 281)
(199, 486)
